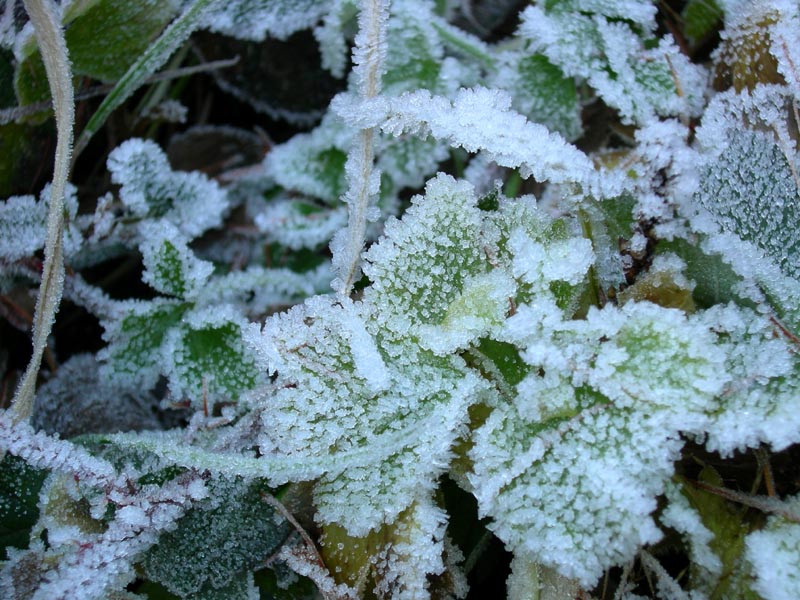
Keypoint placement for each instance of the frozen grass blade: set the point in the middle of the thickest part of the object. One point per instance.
(157, 54)
(50, 37)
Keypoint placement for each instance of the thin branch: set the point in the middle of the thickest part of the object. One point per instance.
(53, 48)
(765, 504)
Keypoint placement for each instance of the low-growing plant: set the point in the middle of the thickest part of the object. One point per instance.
(516, 303)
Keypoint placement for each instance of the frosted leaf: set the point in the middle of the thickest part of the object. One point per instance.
(408, 161)
(419, 267)
(416, 553)
(409, 449)
(218, 540)
(257, 290)
(78, 400)
(481, 307)
(255, 20)
(330, 35)
(205, 358)
(505, 135)
(23, 224)
(170, 265)
(571, 469)
(774, 553)
(312, 163)
(149, 188)
(393, 561)
(595, 41)
(133, 355)
(541, 91)
(759, 404)
(415, 54)
(382, 412)
(683, 518)
(785, 38)
(642, 14)
(750, 181)
(297, 223)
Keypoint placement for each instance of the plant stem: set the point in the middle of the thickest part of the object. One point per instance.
(363, 179)
(53, 48)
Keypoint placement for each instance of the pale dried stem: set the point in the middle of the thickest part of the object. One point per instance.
(373, 18)
(50, 37)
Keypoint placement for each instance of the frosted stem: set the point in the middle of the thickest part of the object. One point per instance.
(53, 48)
(363, 179)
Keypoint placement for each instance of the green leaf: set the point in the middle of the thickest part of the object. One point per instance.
(218, 541)
(421, 265)
(752, 191)
(170, 265)
(104, 37)
(543, 93)
(145, 65)
(700, 18)
(714, 279)
(207, 360)
(19, 497)
(729, 531)
(133, 354)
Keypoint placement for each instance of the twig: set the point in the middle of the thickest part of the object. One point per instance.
(763, 503)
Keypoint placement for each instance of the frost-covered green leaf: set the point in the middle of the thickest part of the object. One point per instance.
(205, 358)
(421, 265)
(758, 406)
(715, 534)
(133, 356)
(381, 412)
(149, 188)
(611, 46)
(570, 469)
(79, 400)
(19, 493)
(541, 91)
(170, 266)
(103, 37)
(750, 181)
(312, 163)
(414, 52)
(504, 135)
(218, 541)
(23, 224)
(255, 20)
(395, 560)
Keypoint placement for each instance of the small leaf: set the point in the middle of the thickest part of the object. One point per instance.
(19, 496)
(217, 541)
(133, 355)
(170, 266)
(206, 359)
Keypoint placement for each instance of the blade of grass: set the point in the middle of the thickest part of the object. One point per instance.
(50, 37)
(154, 58)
